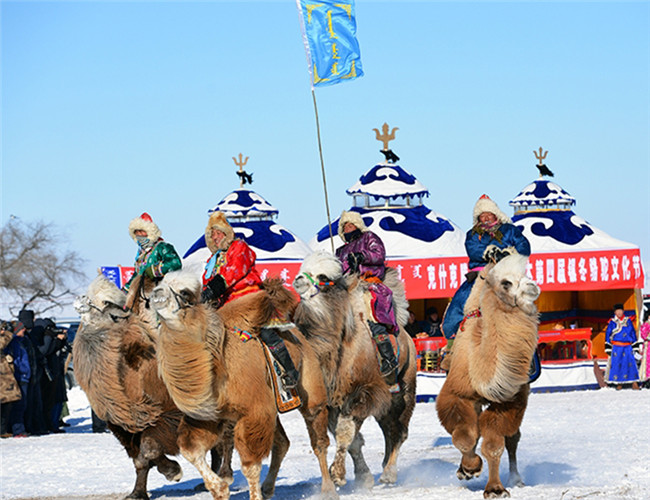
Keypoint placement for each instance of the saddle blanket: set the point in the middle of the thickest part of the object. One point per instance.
(285, 400)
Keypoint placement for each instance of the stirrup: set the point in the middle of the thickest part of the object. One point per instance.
(289, 382)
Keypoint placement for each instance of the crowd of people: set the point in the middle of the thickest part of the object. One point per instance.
(35, 354)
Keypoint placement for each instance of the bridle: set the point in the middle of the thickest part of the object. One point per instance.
(88, 301)
(317, 285)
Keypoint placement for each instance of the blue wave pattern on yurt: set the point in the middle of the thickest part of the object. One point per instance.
(415, 224)
(561, 226)
(542, 192)
(243, 202)
(264, 235)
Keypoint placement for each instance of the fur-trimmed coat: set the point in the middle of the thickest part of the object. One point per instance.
(9, 388)
(160, 259)
(236, 265)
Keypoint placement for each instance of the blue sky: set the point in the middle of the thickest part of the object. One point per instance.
(111, 108)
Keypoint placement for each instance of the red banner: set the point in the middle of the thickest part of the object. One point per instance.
(588, 270)
(431, 278)
(285, 270)
(126, 273)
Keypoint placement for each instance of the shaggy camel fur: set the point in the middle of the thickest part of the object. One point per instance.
(332, 315)
(489, 368)
(215, 377)
(115, 364)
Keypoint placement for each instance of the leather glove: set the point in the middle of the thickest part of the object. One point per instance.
(608, 348)
(214, 289)
(355, 259)
(489, 252)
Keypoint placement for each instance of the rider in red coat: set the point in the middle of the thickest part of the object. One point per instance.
(230, 273)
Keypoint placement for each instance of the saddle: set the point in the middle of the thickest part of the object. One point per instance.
(285, 400)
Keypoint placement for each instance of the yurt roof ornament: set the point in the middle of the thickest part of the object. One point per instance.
(542, 194)
(243, 204)
(387, 184)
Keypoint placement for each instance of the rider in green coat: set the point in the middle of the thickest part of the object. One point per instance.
(155, 257)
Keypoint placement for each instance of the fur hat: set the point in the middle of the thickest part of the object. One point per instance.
(485, 204)
(144, 223)
(218, 221)
(353, 217)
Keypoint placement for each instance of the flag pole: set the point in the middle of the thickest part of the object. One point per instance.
(322, 168)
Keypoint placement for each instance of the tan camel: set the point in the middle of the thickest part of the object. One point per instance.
(115, 364)
(216, 378)
(489, 369)
(332, 315)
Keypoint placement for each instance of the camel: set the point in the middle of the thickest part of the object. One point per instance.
(115, 365)
(486, 390)
(216, 378)
(332, 315)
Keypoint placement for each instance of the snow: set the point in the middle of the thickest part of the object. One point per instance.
(575, 445)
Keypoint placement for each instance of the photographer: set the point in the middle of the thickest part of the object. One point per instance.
(54, 349)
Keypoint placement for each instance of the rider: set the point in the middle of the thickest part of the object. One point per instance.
(155, 257)
(364, 253)
(230, 273)
(492, 237)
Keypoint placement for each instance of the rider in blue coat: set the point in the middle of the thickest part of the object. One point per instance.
(492, 237)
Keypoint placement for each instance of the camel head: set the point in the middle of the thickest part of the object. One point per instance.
(103, 303)
(317, 269)
(176, 292)
(509, 281)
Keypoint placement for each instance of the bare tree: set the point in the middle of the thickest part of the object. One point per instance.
(34, 271)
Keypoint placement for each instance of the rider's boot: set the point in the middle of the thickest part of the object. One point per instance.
(279, 351)
(381, 337)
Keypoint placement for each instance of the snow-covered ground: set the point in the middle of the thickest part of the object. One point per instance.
(577, 445)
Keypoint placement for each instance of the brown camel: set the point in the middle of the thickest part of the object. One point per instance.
(116, 366)
(489, 369)
(332, 315)
(217, 378)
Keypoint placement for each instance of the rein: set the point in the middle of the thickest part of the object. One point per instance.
(476, 313)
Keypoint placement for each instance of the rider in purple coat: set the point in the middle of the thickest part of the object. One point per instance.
(364, 253)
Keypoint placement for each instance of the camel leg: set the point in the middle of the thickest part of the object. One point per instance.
(316, 419)
(497, 421)
(131, 444)
(394, 426)
(362, 474)
(511, 447)
(152, 452)
(252, 474)
(459, 417)
(194, 440)
(280, 447)
(344, 434)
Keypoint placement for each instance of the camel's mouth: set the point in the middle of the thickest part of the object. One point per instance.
(81, 304)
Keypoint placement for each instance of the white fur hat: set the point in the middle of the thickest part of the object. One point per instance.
(485, 204)
(145, 223)
(218, 221)
(353, 217)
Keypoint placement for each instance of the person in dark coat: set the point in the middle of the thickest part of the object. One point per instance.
(34, 417)
(431, 324)
(53, 384)
(22, 372)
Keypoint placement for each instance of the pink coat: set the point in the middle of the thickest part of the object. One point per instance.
(644, 334)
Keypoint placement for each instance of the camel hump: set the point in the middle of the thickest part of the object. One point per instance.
(282, 300)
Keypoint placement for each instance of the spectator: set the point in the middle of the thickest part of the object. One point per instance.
(620, 343)
(53, 348)
(431, 323)
(22, 372)
(34, 418)
(644, 335)
(9, 388)
(412, 326)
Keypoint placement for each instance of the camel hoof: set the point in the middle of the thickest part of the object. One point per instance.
(516, 482)
(365, 480)
(466, 474)
(173, 472)
(328, 495)
(134, 495)
(389, 476)
(268, 490)
(496, 493)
